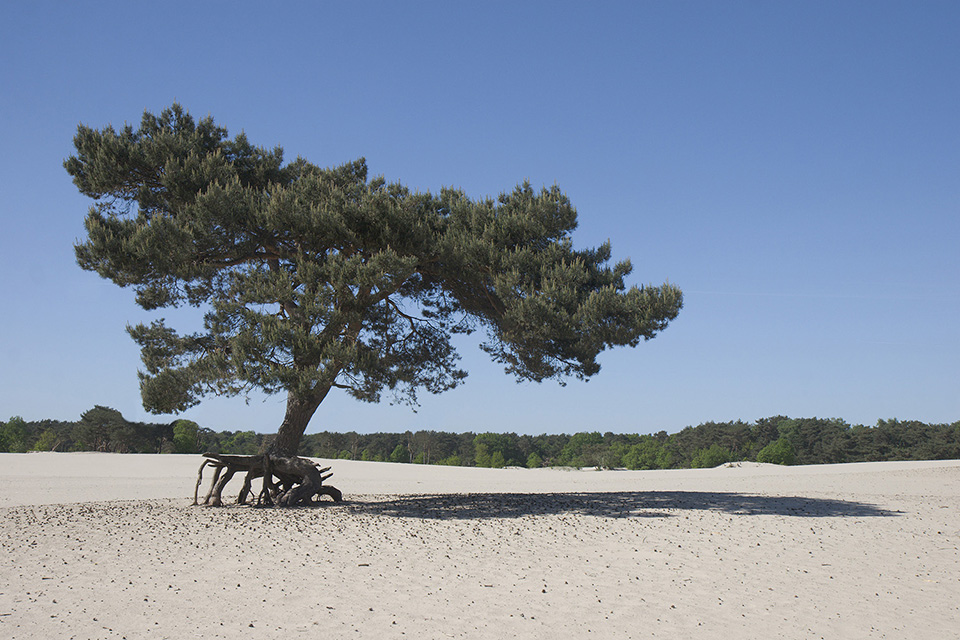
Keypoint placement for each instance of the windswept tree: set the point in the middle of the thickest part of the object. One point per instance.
(316, 279)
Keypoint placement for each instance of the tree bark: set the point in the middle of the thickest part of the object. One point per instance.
(299, 411)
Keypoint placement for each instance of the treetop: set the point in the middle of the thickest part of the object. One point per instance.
(316, 278)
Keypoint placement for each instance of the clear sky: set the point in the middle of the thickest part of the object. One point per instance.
(793, 166)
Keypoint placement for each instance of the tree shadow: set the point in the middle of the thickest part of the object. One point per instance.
(622, 504)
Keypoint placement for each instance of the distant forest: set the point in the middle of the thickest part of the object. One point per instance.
(778, 439)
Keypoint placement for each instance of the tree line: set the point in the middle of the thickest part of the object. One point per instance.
(778, 439)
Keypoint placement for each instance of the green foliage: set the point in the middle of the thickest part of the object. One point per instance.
(712, 456)
(814, 441)
(496, 450)
(824, 441)
(582, 450)
(612, 452)
(482, 457)
(186, 436)
(400, 454)
(779, 452)
(13, 435)
(666, 458)
(319, 278)
(646, 454)
(104, 429)
(242, 443)
(48, 441)
(738, 438)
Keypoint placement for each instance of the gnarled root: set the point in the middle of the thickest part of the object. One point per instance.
(299, 481)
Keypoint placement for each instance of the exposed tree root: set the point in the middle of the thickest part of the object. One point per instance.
(287, 482)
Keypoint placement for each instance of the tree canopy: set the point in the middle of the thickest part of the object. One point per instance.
(314, 279)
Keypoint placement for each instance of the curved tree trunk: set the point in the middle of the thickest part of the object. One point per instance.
(299, 411)
(300, 479)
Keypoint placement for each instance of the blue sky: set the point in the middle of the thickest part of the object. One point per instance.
(793, 166)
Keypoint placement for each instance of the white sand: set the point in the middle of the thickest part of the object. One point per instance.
(107, 546)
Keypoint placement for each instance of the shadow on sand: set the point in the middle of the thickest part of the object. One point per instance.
(624, 504)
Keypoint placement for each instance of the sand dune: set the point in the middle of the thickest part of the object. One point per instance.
(107, 546)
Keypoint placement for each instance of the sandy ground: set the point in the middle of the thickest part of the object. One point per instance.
(108, 546)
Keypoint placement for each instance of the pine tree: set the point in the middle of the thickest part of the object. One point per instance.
(317, 279)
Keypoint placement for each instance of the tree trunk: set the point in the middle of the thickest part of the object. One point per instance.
(300, 479)
(295, 421)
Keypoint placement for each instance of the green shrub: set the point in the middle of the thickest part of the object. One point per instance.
(400, 454)
(13, 435)
(185, 434)
(778, 452)
(47, 441)
(643, 455)
(714, 456)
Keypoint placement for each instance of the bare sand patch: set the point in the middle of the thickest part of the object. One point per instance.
(107, 546)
